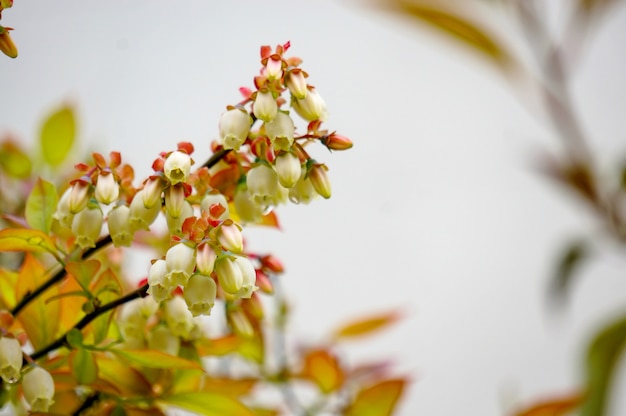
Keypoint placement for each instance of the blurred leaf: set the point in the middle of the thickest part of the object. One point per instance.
(125, 379)
(367, 325)
(560, 406)
(377, 400)
(603, 356)
(63, 400)
(252, 348)
(208, 404)
(567, 266)
(83, 272)
(458, 27)
(23, 239)
(219, 346)
(323, 368)
(70, 303)
(41, 204)
(57, 136)
(593, 6)
(74, 338)
(155, 359)
(14, 161)
(39, 320)
(8, 280)
(83, 365)
(106, 288)
(229, 386)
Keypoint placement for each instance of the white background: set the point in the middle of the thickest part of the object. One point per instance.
(437, 211)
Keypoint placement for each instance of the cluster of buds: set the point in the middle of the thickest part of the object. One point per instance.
(37, 383)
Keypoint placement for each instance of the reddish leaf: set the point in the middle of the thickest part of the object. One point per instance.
(377, 400)
(365, 326)
(323, 368)
(556, 406)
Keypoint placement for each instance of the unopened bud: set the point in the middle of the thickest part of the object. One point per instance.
(79, 196)
(272, 263)
(229, 275)
(86, 226)
(274, 67)
(264, 283)
(10, 359)
(180, 260)
(174, 200)
(337, 142)
(280, 131)
(107, 188)
(38, 387)
(229, 236)
(265, 107)
(119, 226)
(288, 169)
(177, 167)
(200, 293)
(152, 190)
(234, 126)
(159, 286)
(6, 43)
(248, 278)
(63, 213)
(320, 180)
(205, 258)
(311, 108)
(296, 82)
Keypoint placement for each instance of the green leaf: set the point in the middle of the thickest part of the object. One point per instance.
(23, 239)
(107, 288)
(57, 136)
(208, 404)
(83, 272)
(567, 266)
(41, 204)
(74, 338)
(155, 359)
(603, 356)
(84, 367)
(8, 280)
(14, 161)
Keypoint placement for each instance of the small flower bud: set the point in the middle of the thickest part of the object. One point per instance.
(180, 260)
(178, 317)
(177, 167)
(200, 294)
(288, 169)
(320, 180)
(248, 277)
(310, 108)
(10, 359)
(234, 126)
(274, 67)
(337, 142)
(140, 216)
(86, 226)
(63, 213)
(38, 387)
(229, 275)
(175, 225)
(79, 196)
(265, 107)
(280, 131)
(272, 263)
(229, 236)
(296, 82)
(152, 190)
(119, 226)
(107, 188)
(212, 199)
(161, 338)
(174, 200)
(6, 43)
(160, 288)
(205, 258)
(262, 184)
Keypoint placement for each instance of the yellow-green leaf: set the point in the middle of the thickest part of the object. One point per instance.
(83, 271)
(24, 239)
(127, 380)
(208, 404)
(322, 367)
(155, 359)
(14, 161)
(8, 280)
(106, 288)
(40, 205)
(39, 319)
(219, 346)
(57, 136)
(379, 399)
(367, 325)
(83, 365)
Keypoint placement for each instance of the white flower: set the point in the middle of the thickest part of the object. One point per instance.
(174, 200)
(119, 226)
(288, 169)
(247, 209)
(248, 277)
(262, 185)
(79, 196)
(205, 258)
(280, 131)
(200, 294)
(161, 338)
(229, 275)
(86, 226)
(177, 167)
(159, 286)
(38, 387)
(180, 260)
(296, 83)
(63, 213)
(152, 189)
(265, 107)
(234, 128)
(175, 225)
(107, 188)
(140, 216)
(229, 236)
(311, 108)
(178, 317)
(303, 191)
(10, 359)
(212, 199)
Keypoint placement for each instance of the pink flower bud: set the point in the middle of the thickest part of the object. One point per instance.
(205, 258)
(177, 167)
(10, 359)
(107, 189)
(159, 286)
(161, 338)
(229, 275)
(79, 196)
(320, 180)
(140, 216)
(38, 387)
(288, 169)
(296, 82)
(174, 200)
(274, 68)
(200, 293)
(262, 184)
(180, 260)
(178, 317)
(175, 225)
(86, 227)
(152, 190)
(229, 236)
(280, 132)
(265, 107)
(211, 199)
(310, 108)
(234, 127)
(248, 278)
(119, 226)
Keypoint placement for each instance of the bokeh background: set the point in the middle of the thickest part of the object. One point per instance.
(439, 211)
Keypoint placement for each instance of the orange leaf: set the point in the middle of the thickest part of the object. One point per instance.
(367, 325)
(155, 359)
(379, 399)
(556, 406)
(229, 386)
(219, 346)
(323, 368)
